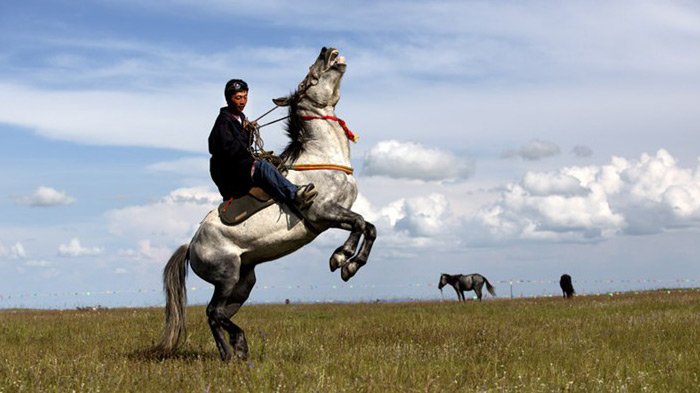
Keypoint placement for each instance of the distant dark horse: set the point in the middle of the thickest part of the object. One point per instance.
(466, 282)
(566, 286)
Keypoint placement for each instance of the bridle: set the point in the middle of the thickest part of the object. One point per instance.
(349, 134)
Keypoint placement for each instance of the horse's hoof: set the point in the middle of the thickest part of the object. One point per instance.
(349, 270)
(226, 357)
(242, 355)
(240, 347)
(337, 260)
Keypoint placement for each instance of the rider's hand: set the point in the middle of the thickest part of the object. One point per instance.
(250, 125)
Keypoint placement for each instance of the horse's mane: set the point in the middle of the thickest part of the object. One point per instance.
(295, 131)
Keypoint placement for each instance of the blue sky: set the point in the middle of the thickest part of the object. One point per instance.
(518, 140)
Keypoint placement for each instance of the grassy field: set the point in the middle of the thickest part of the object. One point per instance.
(630, 342)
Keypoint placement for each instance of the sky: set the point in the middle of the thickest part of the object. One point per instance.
(519, 140)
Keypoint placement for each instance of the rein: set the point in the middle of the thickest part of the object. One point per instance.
(267, 113)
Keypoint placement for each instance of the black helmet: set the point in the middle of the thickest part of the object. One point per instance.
(234, 86)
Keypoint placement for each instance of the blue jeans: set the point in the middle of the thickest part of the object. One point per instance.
(267, 177)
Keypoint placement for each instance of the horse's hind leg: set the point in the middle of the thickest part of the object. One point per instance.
(216, 318)
(238, 297)
(227, 300)
(477, 290)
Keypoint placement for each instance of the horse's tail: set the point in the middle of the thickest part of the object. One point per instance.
(489, 287)
(174, 276)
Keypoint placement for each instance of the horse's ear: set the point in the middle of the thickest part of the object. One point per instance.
(282, 101)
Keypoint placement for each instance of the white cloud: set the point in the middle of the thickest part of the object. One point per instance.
(14, 251)
(18, 250)
(534, 150)
(425, 216)
(172, 219)
(122, 118)
(648, 195)
(411, 160)
(543, 184)
(196, 195)
(461, 36)
(45, 197)
(579, 74)
(581, 204)
(411, 224)
(145, 250)
(74, 249)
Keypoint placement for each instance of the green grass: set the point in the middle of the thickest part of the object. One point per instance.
(630, 342)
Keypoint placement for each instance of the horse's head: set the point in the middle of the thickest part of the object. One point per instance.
(317, 94)
(321, 86)
(443, 281)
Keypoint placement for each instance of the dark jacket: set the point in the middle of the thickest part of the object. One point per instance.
(231, 161)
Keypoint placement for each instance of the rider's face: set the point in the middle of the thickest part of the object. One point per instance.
(239, 100)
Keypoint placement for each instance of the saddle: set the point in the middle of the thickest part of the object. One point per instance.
(235, 211)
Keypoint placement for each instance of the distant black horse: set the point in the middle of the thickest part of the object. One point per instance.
(466, 282)
(566, 286)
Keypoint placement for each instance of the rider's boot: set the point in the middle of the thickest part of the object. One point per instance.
(305, 196)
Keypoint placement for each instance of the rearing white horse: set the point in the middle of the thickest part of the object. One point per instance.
(226, 256)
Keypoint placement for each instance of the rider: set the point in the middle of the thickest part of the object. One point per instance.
(232, 166)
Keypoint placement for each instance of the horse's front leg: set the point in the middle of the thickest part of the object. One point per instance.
(339, 217)
(360, 259)
(460, 295)
(343, 253)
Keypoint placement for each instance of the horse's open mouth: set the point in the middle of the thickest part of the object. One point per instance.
(335, 59)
